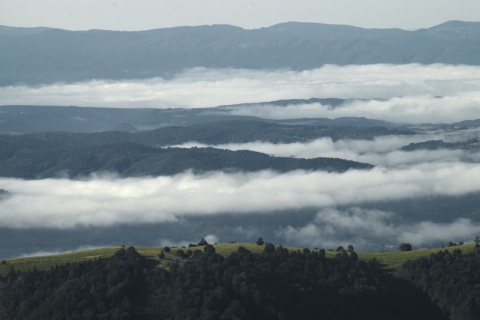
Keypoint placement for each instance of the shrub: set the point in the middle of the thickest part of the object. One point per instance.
(405, 247)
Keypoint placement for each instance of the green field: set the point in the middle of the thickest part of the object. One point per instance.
(390, 259)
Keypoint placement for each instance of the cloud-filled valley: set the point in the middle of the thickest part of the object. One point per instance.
(305, 208)
(404, 93)
(380, 151)
(109, 200)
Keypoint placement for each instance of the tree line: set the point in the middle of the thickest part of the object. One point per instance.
(275, 284)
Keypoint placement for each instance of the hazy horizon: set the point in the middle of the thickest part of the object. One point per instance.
(123, 15)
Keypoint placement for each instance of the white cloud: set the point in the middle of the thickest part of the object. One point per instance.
(106, 201)
(380, 151)
(427, 232)
(404, 109)
(332, 228)
(211, 238)
(372, 228)
(408, 92)
(169, 243)
(56, 252)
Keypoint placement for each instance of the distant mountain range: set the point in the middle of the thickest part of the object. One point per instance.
(44, 55)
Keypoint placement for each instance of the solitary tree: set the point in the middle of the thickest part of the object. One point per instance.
(405, 247)
(350, 248)
(260, 241)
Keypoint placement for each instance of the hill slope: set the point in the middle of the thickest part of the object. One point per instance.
(36, 157)
(273, 283)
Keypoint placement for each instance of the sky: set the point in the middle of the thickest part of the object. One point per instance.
(249, 14)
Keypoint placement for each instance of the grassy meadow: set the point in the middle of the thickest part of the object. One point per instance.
(391, 260)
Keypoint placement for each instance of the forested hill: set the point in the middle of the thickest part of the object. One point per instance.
(56, 154)
(275, 284)
(451, 279)
(472, 144)
(43, 55)
(33, 158)
(223, 132)
(31, 119)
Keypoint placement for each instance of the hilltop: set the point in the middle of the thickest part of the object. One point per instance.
(225, 281)
(391, 260)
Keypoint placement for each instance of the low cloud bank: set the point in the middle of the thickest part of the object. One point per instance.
(405, 109)
(108, 201)
(51, 253)
(381, 151)
(408, 93)
(372, 228)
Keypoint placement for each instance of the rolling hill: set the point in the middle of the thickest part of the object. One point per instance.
(242, 280)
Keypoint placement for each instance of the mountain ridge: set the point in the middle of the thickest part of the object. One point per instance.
(35, 56)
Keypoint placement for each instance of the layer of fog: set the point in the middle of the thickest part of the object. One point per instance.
(380, 151)
(109, 200)
(369, 228)
(405, 109)
(407, 93)
(56, 252)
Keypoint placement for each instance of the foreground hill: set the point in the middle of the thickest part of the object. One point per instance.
(43, 55)
(392, 260)
(200, 283)
(274, 284)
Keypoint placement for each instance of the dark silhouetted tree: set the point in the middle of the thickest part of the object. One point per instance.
(209, 250)
(203, 242)
(405, 247)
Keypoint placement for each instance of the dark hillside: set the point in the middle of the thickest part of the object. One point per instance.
(451, 279)
(275, 284)
(37, 157)
(31, 119)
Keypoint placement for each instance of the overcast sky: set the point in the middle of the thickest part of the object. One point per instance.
(250, 14)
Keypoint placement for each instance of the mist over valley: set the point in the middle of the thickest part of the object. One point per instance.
(307, 135)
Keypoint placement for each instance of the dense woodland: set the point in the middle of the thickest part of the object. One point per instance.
(472, 144)
(221, 132)
(62, 154)
(276, 284)
(452, 280)
(37, 159)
